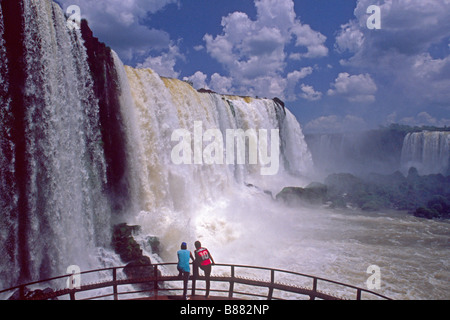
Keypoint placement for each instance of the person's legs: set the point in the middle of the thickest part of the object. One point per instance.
(185, 284)
(207, 270)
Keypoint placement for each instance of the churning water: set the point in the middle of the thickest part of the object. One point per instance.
(242, 224)
(229, 207)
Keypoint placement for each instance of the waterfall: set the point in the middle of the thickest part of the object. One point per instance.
(162, 105)
(54, 213)
(428, 151)
(86, 143)
(8, 199)
(171, 196)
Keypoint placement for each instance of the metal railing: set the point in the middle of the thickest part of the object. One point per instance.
(159, 279)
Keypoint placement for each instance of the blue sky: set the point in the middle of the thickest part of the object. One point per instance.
(319, 56)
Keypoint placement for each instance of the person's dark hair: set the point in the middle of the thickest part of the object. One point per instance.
(184, 246)
(197, 244)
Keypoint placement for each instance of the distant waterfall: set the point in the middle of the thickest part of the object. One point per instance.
(429, 152)
(54, 212)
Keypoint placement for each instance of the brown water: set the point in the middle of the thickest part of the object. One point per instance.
(413, 254)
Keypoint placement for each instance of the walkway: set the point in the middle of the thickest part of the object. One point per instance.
(158, 282)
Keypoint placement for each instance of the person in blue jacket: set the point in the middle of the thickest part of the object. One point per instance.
(183, 267)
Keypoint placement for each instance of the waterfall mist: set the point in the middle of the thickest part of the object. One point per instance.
(86, 143)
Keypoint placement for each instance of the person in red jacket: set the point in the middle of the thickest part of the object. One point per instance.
(204, 261)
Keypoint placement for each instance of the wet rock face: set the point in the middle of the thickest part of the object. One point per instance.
(313, 194)
(138, 266)
(124, 244)
(107, 91)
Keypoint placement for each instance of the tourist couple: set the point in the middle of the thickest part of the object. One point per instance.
(203, 260)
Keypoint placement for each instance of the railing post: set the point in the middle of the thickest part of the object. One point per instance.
(22, 293)
(313, 296)
(230, 293)
(116, 296)
(358, 294)
(272, 281)
(155, 283)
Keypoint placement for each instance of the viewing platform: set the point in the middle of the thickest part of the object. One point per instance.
(228, 282)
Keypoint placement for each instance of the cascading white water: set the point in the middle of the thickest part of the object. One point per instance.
(224, 206)
(67, 213)
(8, 201)
(429, 152)
(173, 197)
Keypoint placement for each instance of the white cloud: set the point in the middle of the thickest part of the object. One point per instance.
(349, 38)
(118, 24)
(163, 64)
(297, 75)
(312, 40)
(425, 119)
(125, 12)
(336, 124)
(217, 83)
(309, 93)
(295, 56)
(198, 80)
(220, 84)
(253, 51)
(355, 88)
(306, 92)
(408, 27)
(400, 56)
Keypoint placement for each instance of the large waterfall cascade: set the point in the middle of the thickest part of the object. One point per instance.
(55, 208)
(86, 143)
(172, 196)
(52, 161)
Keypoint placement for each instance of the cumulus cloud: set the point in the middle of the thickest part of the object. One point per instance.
(312, 40)
(408, 28)
(350, 38)
(355, 88)
(401, 56)
(216, 83)
(164, 63)
(336, 124)
(198, 80)
(425, 119)
(220, 83)
(309, 93)
(118, 23)
(253, 51)
(269, 85)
